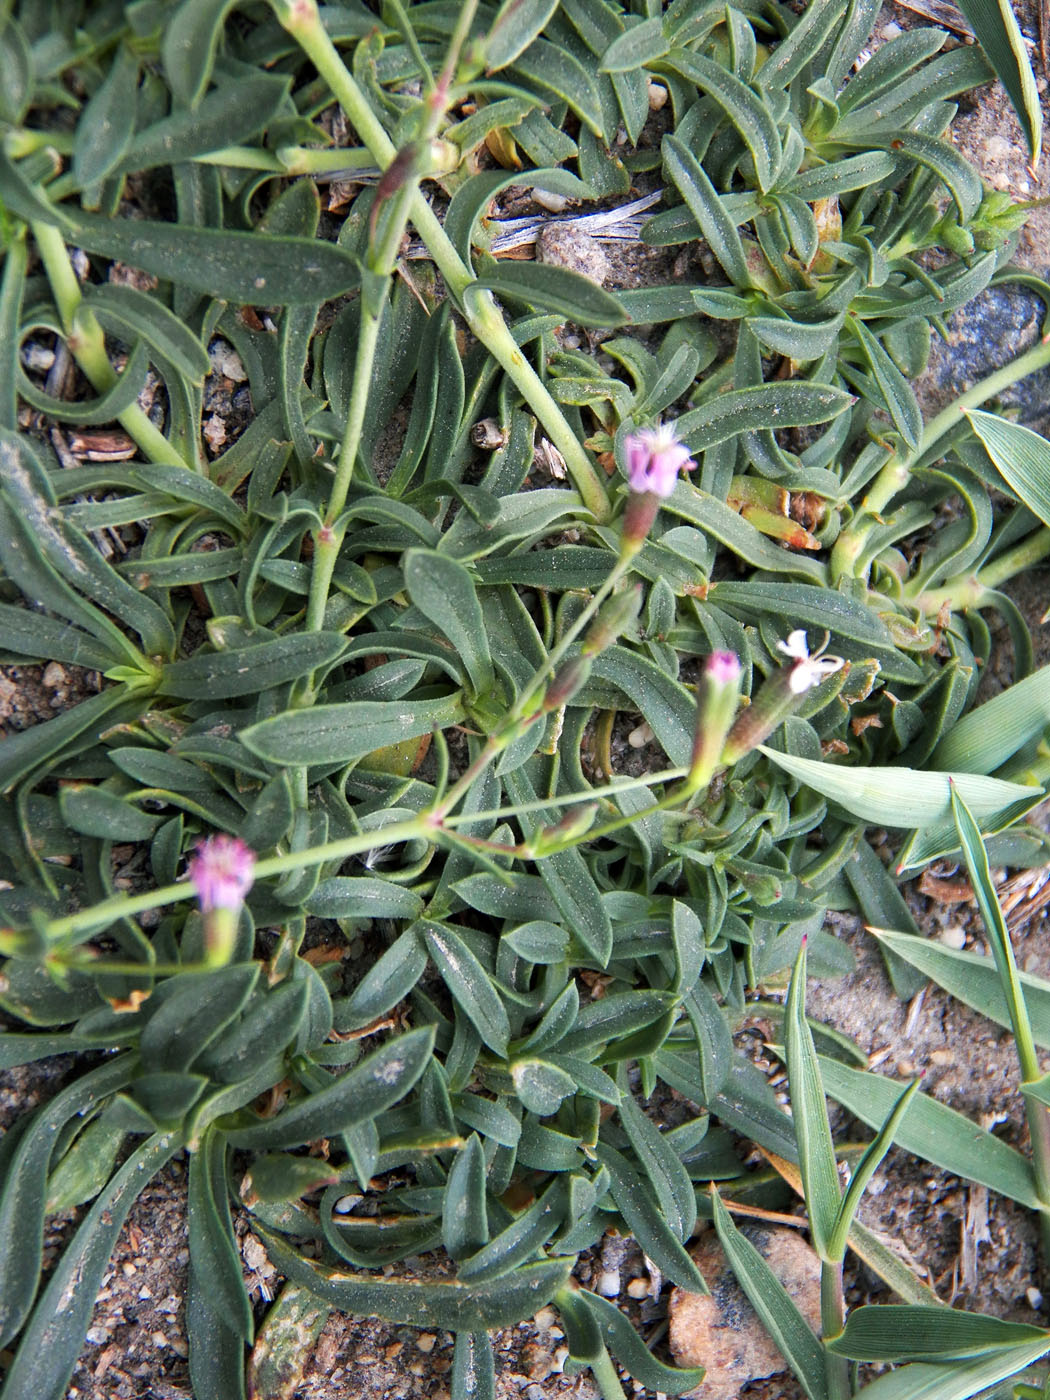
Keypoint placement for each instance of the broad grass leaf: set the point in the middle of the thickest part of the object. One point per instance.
(995, 24)
(901, 797)
(809, 1114)
(1021, 456)
(95, 811)
(902, 1332)
(972, 979)
(934, 1132)
(188, 1011)
(992, 733)
(774, 1305)
(920, 1381)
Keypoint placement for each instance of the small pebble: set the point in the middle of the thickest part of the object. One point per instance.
(954, 936)
(638, 1288)
(425, 1341)
(1035, 1298)
(547, 199)
(657, 97)
(54, 676)
(546, 1317)
(566, 244)
(37, 357)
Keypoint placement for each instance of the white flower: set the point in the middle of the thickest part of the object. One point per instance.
(807, 671)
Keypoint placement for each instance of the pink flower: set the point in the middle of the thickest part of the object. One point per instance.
(654, 459)
(221, 870)
(723, 668)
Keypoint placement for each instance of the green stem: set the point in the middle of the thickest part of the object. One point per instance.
(87, 344)
(517, 719)
(301, 20)
(121, 906)
(968, 591)
(896, 472)
(604, 1373)
(832, 1321)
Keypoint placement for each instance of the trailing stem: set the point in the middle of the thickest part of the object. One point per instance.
(87, 345)
(301, 19)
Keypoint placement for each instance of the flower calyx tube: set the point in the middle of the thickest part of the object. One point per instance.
(779, 696)
(221, 871)
(717, 697)
(654, 458)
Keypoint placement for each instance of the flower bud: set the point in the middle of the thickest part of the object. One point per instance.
(613, 620)
(575, 822)
(567, 680)
(717, 697)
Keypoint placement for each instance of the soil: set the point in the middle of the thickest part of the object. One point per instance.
(974, 1248)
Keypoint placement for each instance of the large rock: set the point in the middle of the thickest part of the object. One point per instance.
(722, 1332)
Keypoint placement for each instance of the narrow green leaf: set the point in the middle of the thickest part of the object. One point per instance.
(348, 732)
(553, 288)
(444, 592)
(54, 1335)
(702, 200)
(774, 1305)
(107, 123)
(661, 1167)
(958, 175)
(190, 39)
(213, 1248)
(636, 46)
(379, 1081)
(470, 985)
(741, 104)
(624, 1341)
(473, 1367)
(517, 24)
(646, 1222)
(252, 268)
(451, 1306)
(791, 404)
(464, 1219)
